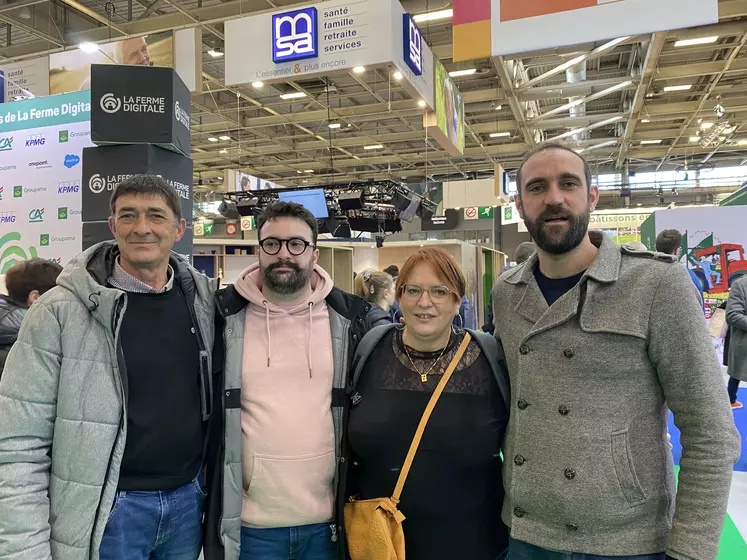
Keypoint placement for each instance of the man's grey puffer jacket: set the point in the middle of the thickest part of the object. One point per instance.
(63, 410)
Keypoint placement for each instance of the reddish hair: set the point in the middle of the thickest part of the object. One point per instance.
(443, 264)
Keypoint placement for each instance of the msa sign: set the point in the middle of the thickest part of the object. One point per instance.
(413, 42)
(294, 35)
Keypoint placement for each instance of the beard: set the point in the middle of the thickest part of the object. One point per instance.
(286, 283)
(540, 230)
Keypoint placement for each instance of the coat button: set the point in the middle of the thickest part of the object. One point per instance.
(564, 410)
(522, 404)
(524, 349)
(570, 474)
(519, 460)
(518, 512)
(571, 527)
(569, 353)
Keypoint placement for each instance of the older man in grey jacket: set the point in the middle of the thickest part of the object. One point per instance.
(107, 396)
(601, 343)
(736, 317)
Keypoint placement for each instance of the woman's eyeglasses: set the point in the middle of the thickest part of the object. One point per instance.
(296, 246)
(438, 294)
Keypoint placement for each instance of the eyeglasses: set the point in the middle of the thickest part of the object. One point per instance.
(438, 294)
(296, 246)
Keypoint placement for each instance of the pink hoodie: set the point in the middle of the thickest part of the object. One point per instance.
(288, 449)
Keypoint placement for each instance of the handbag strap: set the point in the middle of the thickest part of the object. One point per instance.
(426, 416)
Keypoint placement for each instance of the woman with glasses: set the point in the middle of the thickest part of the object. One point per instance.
(453, 495)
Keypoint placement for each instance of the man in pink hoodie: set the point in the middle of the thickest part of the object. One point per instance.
(289, 338)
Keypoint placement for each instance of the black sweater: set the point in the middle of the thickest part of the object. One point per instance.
(165, 432)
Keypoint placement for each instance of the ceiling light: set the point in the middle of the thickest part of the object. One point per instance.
(498, 107)
(257, 84)
(308, 170)
(295, 95)
(699, 41)
(742, 143)
(729, 130)
(421, 103)
(88, 47)
(679, 88)
(398, 75)
(459, 73)
(335, 125)
(359, 69)
(645, 142)
(500, 134)
(433, 16)
(212, 139)
(225, 138)
(299, 171)
(373, 147)
(216, 52)
(223, 151)
(694, 138)
(706, 125)
(645, 121)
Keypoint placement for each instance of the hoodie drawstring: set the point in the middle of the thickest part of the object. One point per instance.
(311, 328)
(269, 336)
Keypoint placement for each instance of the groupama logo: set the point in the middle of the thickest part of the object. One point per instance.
(12, 251)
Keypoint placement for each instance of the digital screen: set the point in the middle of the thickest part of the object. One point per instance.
(313, 200)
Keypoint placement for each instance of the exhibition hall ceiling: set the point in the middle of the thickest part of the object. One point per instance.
(650, 100)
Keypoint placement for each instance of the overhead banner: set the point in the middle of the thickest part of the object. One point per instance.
(41, 143)
(500, 27)
(71, 70)
(139, 105)
(25, 80)
(335, 36)
(447, 122)
(105, 167)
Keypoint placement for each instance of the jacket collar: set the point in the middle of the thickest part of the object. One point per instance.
(605, 268)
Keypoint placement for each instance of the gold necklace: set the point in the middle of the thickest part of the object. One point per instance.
(424, 376)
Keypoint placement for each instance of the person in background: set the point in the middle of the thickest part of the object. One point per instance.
(289, 338)
(394, 310)
(393, 271)
(106, 399)
(133, 52)
(377, 288)
(458, 462)
(669, 242)
(601, 342)
(521, 255)
(25, 282)
(736, 318)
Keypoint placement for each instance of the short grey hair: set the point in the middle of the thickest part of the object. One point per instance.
(147, 185)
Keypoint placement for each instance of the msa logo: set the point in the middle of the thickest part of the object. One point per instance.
(413, 42)
(36, 140)
(6, 144)
(67, 188)
(181, 115)
(64, 136)
(294, 35)
(36, 216)
(110, 104)
(7, 217)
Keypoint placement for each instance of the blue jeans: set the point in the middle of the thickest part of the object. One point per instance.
(519, 550)
(156, 525)
(309, 542)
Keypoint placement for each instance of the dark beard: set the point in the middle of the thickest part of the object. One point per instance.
(286, 284)
(578, 227)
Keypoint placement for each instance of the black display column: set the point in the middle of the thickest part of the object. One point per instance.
(140, 120)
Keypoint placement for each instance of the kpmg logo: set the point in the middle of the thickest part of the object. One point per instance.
(68, 187)
(110, 104)
(181, 115)
(413, 42)
(36, 140)
(294, 35)
(71, 160)
(36, 216)
(6, 144)
(7, 217)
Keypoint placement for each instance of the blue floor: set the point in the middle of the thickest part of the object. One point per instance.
(740, 419)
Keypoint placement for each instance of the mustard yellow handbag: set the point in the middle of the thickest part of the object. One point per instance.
(374, 527)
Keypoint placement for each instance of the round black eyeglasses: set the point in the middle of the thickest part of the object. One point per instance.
(296, 246)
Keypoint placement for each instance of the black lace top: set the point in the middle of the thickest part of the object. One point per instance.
(453, 496)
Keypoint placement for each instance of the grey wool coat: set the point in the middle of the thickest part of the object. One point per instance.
(588, 468)
(736, 317)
